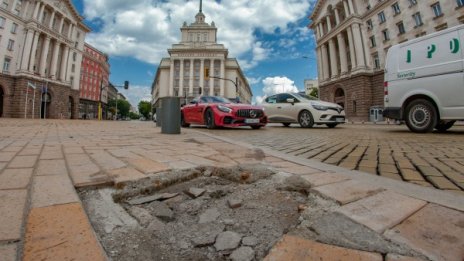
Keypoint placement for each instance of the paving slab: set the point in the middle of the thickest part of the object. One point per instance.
(84, 172)
(6, 156)
(15, 178)
(106, 161)
(52, 190)
(300, 170)
(48, 154)
(8, 252)
(435, 231)
(382, 211)
(61, 232)
(148, 166)
(347, 191)
(291, 248)
(23, 162)
(12, 204)
(124, 175)
(51, 167)
(395, 257)
(73, 150)
(319, 179)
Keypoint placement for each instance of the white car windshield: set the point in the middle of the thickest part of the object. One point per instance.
(304, 96)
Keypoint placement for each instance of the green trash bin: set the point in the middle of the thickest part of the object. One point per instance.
(170, 115)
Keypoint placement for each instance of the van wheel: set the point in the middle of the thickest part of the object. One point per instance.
(305, 119)
(421, 116)
(442, 126)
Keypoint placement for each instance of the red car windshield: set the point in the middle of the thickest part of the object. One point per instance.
(214, 99)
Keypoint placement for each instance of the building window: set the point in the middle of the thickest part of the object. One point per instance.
(441, 27)
(74, 56)
(372, 39)
(460, 3)
(14, 27)
(2, 22)
(376, 60)
(396, 8)
(401, 29)
(10, 45)
(381, 16)
(437, 9)
(5, 4)
(386, 35)
(412, 2)
(17, 9)
(354, 106)
(417, 19)
(370, 25)
(6, 65)
(73, 68)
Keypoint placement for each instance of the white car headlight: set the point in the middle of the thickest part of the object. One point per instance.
(320, 107)
(224, 109)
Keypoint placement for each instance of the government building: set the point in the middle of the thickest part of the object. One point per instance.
(353, 38)
(41, 46)
(199, 65)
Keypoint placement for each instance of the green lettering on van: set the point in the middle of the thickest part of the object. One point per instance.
(454, 45)
(406, 75)
(430, 50)
(408, 56)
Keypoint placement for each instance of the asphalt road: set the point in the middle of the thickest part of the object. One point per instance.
(432, 159)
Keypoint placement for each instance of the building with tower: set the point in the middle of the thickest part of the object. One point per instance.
(353, 37)
(199, 65)
(41, 45)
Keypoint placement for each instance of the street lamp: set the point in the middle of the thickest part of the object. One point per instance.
(125, 86)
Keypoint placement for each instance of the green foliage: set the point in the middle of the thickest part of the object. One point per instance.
(314, 92)
(123, 107)
(145, 109)
(134, 115)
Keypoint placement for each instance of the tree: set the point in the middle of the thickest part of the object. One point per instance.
(123, 107)
(145, 109)
(314, 92)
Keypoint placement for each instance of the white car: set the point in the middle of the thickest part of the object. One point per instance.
(288, 108)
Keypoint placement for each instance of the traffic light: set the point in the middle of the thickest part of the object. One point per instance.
(126, 85)
(206, 73)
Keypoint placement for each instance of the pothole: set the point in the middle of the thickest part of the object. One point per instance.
(200, 214)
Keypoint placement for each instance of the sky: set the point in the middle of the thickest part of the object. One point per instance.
(269, 38)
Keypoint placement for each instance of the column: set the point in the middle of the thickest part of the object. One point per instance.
(329, 24)
(36, 11)
(221, 82)
(318, 33)
(171, 78)
(26, 9)
(211, 80)
(54, 65)
(351, 44)
(60, 29)
(52, 17)
(367, 54)
(319, 64)
(337, 16)
(325, 62)
(358, 45)
(64, 62)
(350, 3)
(321, 29)
(71, 28)
(41, 13)
(347, 9)
(181, 78)
(202, 75)
(343, 56)
(191, 77)
(333, 59)
(33, 51)
(43, 57)
(27, 49)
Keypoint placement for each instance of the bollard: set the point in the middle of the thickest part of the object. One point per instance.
(170, 115)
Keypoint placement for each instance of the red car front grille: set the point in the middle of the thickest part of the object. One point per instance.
(250, 113)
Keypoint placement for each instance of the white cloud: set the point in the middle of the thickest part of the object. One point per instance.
(136, 93)
(145, 29)
(275, 85)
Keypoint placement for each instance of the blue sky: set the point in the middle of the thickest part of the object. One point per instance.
(268, 37)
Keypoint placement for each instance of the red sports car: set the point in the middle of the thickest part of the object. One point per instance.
(214, 111)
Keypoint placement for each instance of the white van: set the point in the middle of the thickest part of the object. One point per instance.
(424, 81)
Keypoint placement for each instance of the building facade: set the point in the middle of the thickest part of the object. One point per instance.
(41, 44)
(309, 85)
(94, 83)
(353, 38)
(185, 73)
